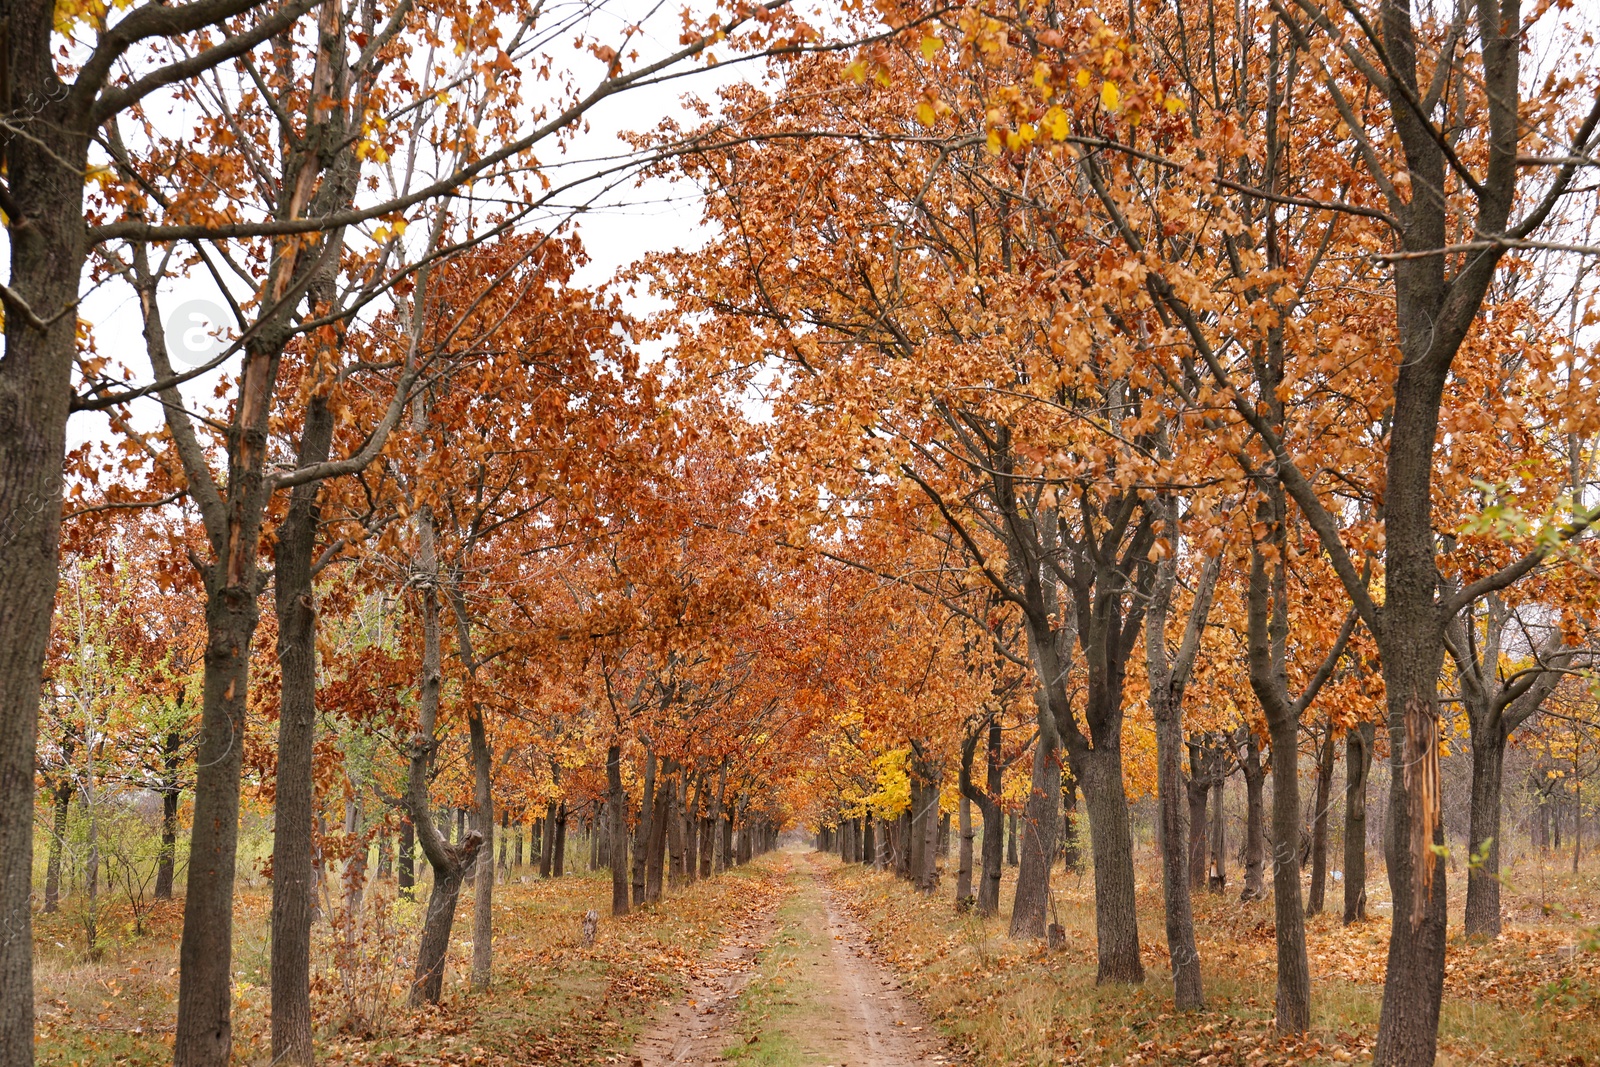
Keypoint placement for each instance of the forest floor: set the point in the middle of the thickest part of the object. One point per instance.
(805, 990)
(554, 999)
(1530, 997)
(797, 959)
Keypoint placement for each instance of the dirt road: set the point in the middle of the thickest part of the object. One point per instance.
(797, 986)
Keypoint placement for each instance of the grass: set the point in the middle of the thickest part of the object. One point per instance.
(1533, 996)
(554, 1000)
(780, 1004)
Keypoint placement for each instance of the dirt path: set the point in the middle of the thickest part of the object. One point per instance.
(700, 1026)
(812, 994)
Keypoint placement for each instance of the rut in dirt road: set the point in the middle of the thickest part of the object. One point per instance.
(700, 1026)
(831, 1001)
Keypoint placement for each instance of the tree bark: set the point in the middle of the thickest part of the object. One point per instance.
(1198, 790)
(406, 880)
(617, 812)
(993, 824)
(1217, 873)
(167, 853)
(1071, 849)
(559, 863)
(1293, 1014)
(205, 956)
(1111, 838)
(1168, 677)
(964, 850)
(62, 803)
(674, 831)
(1031, 902)
(655, 844)
(483, 860)
(45, 227)
(1255, 849)
(642, 832)
(504, 872)
(1187, 983)
(1267, 642)
(449, 862)
(928, 877)
(547, 852)
(1483, 837)
(293, 801)
(1319, 824)
(1357, 764)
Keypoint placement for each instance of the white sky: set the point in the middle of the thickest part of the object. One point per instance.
(629, 223)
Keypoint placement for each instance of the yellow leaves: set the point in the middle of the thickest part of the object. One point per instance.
(1021, 137)
(1056, 124)
(394, 229)
(1110, 96)
(1083, 79)
(1174, 104)
(926, 113)
(930, 47)
(372, 128)
(70, 13)
(992, 143)
(856, 71)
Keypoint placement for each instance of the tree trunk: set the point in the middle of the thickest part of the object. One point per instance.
(91, 880)
(674, 834)
(505, 845)
(354, 875)
(406, 880)
(1483, 838)
(204, 1035)
(547, 854)
(1293, 1013)
(1030, 905)
(1357, 764)
(1116, 919)
(1071, 850)
(427, 983)
(642, 832)
(928, 877)
(617, 812)
(1217, 872)
(1197, 789)
(44, 179)
(558, 864)
(1319, 824)
(693, 821)
(483, 820)
(1255, 849)
(58, 836)
(656, 843)
(449, 862)
(1011, 840)
(167, 853)
(1187, 984)
(964, 850)
(293, 803)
